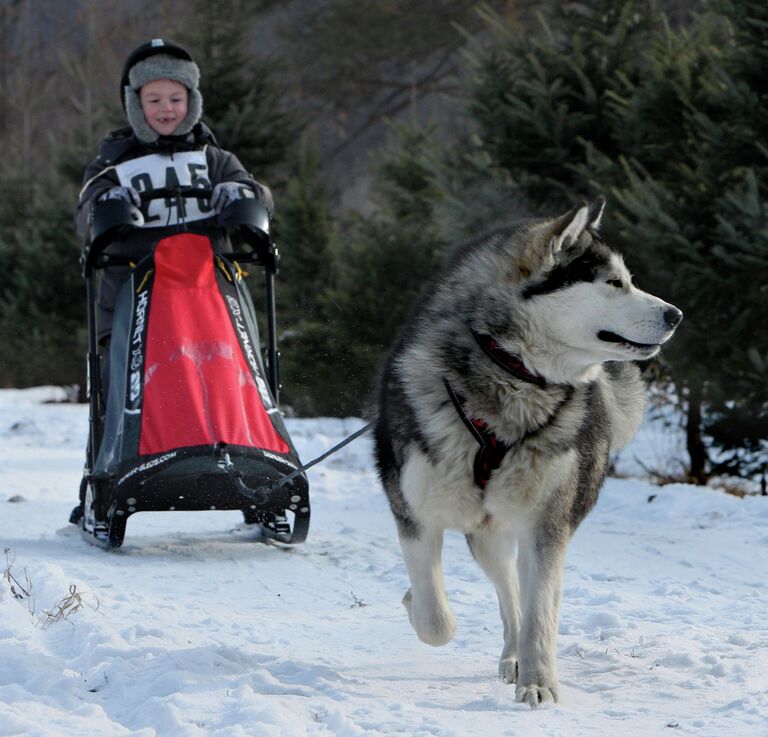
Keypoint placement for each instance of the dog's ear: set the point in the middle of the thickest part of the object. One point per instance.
(553, 236)
(567, 228)
(595, 214)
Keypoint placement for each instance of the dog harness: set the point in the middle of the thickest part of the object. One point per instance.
(492, 451)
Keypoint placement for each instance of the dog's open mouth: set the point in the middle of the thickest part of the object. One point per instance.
(610, 337)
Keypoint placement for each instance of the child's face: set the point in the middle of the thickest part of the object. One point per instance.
(164, 103)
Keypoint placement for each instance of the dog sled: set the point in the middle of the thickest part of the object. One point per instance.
(191, 420)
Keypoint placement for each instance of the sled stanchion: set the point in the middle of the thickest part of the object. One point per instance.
(272, 355)
(94, 372)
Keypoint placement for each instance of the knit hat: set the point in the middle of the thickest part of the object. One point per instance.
(159, 59)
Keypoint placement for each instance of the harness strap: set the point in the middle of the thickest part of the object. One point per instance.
(510, 363)
(492, 450)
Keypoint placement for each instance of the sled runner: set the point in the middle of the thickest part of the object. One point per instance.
(191, 419)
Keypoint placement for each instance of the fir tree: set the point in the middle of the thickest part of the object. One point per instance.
(380, 265)
(242, 98)
(663, 187)
(541, 97)
(606, 98)
(303, 233)
(735, 138)
(694, 202)
(42, 298)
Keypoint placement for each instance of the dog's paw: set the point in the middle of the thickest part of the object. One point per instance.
(435, 626)
(508, 670)
(536, 695)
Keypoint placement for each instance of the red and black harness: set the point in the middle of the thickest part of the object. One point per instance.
(492, 450)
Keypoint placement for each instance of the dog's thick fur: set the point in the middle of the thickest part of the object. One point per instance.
(552, 294)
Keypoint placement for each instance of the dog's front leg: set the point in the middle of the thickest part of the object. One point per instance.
(495, 552)
(426, 601)
(540, 564)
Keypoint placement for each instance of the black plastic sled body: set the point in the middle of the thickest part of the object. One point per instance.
(191, 419)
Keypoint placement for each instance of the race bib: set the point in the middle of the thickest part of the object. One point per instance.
(158, 171)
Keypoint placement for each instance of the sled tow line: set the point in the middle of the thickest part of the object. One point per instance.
(261, 494)
(323, 456)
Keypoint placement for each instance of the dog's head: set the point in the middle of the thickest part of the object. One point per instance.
(572, 299)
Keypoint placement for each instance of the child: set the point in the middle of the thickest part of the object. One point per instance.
(165, 146)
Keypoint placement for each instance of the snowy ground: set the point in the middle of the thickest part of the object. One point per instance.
(199, 632)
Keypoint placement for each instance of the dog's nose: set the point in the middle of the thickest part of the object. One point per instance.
(672, 317)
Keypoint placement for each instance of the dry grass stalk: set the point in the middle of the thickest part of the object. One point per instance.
(62, 610)
(20, 591)
(66, 607)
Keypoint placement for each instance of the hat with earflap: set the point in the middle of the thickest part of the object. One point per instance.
(159, 59)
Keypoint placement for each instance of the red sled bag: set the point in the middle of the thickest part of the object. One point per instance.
(191, 422)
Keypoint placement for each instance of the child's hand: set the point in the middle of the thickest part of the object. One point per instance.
(226, 192)
(129, 194)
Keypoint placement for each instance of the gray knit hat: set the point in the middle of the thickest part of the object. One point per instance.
(160, 59)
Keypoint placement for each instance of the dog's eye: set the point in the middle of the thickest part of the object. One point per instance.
(615, 283)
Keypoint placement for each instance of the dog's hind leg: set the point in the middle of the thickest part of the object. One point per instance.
(540, 563)
(495, 552)
(426, 601)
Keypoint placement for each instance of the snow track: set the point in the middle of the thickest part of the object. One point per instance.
(192, 630)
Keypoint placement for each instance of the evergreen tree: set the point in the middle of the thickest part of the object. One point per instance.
(380, 265)
(242, 97)
(606, 98)
(539, 114)
(694, 202)
(42, 298)
(664, 188)
(539, 103)
(734, 136)
(303, 233)
(541, 97)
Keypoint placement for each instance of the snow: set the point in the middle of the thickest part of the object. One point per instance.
(193, 630)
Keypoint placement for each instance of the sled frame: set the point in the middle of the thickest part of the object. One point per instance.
(106, 528)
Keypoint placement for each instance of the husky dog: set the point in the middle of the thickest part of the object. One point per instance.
(499, 407)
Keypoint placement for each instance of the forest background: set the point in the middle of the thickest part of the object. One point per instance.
(391, 132)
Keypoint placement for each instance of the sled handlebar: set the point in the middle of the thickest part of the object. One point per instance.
(199, 193)
(246, 216)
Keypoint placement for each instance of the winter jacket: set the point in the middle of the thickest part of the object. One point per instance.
(123, 159)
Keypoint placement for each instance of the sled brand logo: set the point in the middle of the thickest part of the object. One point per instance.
(141, 317)
(282, 460)
(146, 466)
(250, 356)
(137, 357)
